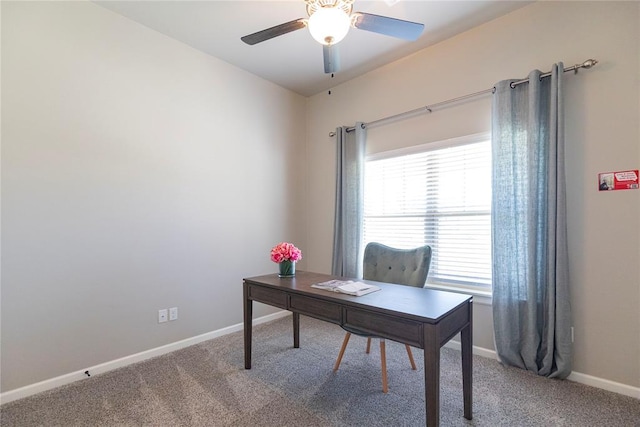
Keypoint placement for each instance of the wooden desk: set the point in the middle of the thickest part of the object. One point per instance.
(422, 318)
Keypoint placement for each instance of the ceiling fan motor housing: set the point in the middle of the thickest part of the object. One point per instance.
(344, 5)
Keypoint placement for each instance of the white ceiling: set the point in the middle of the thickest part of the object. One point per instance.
(294, 60)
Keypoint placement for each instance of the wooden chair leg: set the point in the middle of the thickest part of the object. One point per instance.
(344, 346)
(383, 362)
(368, 344)
(413, 364)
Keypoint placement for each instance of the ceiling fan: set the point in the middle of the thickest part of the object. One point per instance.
(329, 22)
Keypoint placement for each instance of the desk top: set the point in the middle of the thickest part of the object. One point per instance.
(425, 305)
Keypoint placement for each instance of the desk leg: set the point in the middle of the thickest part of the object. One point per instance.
(432, 374)
(466, 341)
(248, 318)
(296, 330)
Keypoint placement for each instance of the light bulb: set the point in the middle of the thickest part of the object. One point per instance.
(329, 25)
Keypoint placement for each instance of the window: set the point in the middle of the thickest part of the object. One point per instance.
(437, 194)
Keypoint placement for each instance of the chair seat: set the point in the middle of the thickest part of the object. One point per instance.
(359, 332)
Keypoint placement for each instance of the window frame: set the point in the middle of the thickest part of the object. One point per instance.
(478, 290)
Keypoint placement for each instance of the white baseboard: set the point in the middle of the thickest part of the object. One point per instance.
(480, 351)
(577, 377)
(52, 383)
(613, 386)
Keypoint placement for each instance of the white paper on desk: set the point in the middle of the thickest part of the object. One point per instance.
(357, 288)
(348, 287)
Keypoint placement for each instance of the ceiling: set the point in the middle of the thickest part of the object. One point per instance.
(294, 60)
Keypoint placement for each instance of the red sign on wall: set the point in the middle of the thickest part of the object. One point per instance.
(622, 180)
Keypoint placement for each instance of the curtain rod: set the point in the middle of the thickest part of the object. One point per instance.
(429, 108)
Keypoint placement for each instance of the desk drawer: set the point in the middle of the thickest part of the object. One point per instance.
(268, 296)
(317, 308)
(385, 326)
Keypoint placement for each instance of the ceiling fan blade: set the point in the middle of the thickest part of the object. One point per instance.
(388, 26)
(331, 58)
(272, 32)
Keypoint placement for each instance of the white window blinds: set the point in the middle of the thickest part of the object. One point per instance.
(440, 196)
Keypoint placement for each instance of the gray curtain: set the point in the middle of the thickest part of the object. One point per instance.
(347, 234)
(531, 311)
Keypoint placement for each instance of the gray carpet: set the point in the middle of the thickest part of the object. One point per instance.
(207, 385)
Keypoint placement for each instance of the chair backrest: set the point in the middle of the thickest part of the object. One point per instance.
(401, 266)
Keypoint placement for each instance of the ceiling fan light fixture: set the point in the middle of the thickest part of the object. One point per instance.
(329, 25)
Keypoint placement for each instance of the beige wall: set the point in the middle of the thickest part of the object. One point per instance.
(137, 174)
(602, 134)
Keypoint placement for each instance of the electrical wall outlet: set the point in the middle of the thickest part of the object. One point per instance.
(162, 315)
(173, 313)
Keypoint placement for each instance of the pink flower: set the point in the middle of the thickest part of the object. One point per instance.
(285, 252)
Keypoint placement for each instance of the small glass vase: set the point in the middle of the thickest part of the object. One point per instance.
(287, 269)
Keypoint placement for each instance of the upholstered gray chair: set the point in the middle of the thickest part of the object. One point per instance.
(399, 266)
